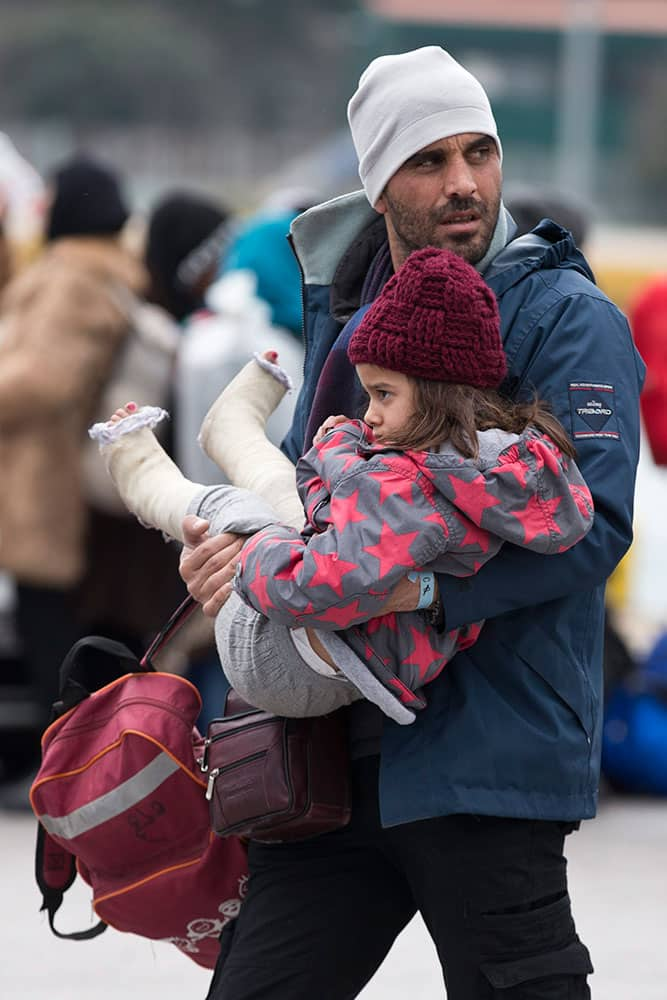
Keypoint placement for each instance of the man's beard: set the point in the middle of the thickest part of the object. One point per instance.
(414, 230)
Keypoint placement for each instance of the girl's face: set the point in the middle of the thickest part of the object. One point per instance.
(391, 400)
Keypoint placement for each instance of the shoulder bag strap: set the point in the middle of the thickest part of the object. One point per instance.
(177, 620)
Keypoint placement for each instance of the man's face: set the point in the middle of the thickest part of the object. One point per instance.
(447, 196)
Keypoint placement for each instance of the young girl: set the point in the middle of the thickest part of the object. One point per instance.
(441, 471)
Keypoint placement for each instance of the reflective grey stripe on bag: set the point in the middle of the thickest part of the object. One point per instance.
(112, 803)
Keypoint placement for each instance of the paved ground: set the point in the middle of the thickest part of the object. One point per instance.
(618, 866)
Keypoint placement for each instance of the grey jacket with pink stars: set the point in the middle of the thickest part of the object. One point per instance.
(373, 514)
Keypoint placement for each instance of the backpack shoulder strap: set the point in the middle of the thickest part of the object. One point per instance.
(55, 870)
(90, 664)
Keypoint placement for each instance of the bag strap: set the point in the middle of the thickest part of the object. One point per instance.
(55, 870)
(83, 670)
(235, 704)
(166, 634)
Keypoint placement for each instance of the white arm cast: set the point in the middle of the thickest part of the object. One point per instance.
(233, 436)
(149, 483)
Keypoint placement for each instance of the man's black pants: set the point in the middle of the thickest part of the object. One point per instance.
(320, 916)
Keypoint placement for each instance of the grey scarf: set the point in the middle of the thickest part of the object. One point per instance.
(501, 235)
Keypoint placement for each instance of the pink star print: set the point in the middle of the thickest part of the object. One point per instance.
(473, 534)
(258, 587)
(335, 440)
(510, 462)
(295, 556)
(330, 569)
(251, 545)
(438, 519)
(383, 621)
(468, 636)
(423, 655)
(393, 549)
(350, 461)
(537, 518)
(343, 616)
(544, 456)
(472, 497)
(314, 483)
(391, 486)
(405, 695)
(299, 612)
(582, 498)
(345, 510)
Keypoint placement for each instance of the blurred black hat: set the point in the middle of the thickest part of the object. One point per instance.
(186, 234)
(87, 201)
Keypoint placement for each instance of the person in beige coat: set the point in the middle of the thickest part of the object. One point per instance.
(62, 322)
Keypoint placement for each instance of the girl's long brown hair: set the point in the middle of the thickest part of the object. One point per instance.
(450, 412)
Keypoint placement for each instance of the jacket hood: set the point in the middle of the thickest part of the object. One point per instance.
(548, 246)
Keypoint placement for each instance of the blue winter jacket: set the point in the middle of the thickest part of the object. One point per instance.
(513, 726)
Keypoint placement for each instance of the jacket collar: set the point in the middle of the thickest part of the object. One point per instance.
(336, 241)
(324, 234)
(547, 246)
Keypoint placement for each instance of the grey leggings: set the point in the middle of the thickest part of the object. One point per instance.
(258, 657)
(262, 663)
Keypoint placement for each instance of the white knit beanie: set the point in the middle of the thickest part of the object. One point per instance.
(405, 102)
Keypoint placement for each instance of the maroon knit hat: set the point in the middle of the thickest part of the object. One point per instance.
(436, 318)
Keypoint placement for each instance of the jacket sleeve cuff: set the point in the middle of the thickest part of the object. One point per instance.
(456, 598)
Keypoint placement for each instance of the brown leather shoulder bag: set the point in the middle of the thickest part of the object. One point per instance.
(276, 779)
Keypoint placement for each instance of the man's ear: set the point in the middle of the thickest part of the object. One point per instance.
(380, 205)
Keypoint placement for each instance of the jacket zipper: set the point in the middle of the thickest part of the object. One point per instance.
(290, 240)
(203, 763)
(99, 722)
(230, 767)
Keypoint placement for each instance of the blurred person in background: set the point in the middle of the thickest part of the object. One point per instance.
(22, 205)
(261, 246)
(186, 235)
(528, 206)
(254, 305)
(63, 323)
(131, 585)
(463, 815)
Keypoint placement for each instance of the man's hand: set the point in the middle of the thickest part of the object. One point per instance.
(404, 597)
(208, 565)
(329, 425)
